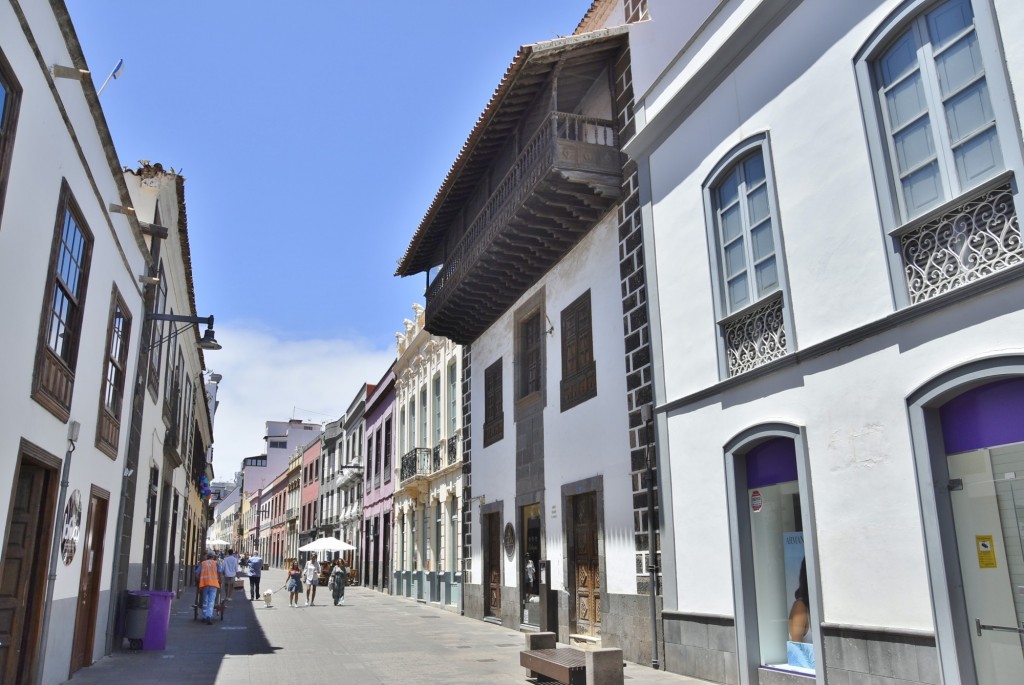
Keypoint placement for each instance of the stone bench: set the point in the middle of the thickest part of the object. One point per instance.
(568, 665)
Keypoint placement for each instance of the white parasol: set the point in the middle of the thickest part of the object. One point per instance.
(327, 545)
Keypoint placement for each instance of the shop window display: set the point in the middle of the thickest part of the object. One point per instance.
(780, 568)
(531, 564)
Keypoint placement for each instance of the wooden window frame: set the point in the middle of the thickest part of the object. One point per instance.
(387, 450)
(156, 337)
(8, 122)
(494, 414)
(115, 361)
(54, 375)
(579, 369)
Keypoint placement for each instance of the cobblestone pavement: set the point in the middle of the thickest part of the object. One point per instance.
(374, 639)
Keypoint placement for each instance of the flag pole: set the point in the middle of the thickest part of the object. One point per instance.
(118, 68)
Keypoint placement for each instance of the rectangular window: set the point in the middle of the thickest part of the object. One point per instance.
(377, 453)
(529, 355)
(64, 301)
(437, 409)
(422, 442)
(494, 417)
(172, 346)
(401, 431)
(108, 428)
(412, 423)
(387, 450)
(278, 444)
(579, 370)
(156, 335)
(453, 399)
(10, 99)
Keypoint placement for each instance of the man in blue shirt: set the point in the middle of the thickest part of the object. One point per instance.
(255, 569)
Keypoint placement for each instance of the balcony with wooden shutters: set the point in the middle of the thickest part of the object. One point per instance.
(542, 166)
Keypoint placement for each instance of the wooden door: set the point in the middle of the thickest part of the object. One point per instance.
(586, 565)
(493, 565)
(23, 576)
(89, 584)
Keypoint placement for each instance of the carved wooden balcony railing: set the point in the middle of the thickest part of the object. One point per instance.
(565, 179)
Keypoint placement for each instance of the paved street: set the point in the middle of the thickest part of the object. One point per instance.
(373, 639)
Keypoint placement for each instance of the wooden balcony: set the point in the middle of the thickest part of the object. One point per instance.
(566, 178)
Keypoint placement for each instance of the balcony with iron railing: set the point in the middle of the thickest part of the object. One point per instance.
(415, 464)
(565, 179)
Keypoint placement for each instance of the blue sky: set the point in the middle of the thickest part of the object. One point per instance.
(313, 136)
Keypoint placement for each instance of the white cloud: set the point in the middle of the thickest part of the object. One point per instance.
(267, 378)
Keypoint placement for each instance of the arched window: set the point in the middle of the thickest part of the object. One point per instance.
(778, 605)
(746, 258)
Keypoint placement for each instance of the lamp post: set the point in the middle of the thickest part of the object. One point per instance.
(652, 566)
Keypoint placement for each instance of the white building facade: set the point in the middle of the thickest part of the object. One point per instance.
(428, 478)
(533, 248)
(830, 197)
(81, 249)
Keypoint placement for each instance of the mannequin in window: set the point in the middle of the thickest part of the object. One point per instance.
(799, 614)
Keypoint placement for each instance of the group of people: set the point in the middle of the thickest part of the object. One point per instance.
(311, 575)
(215, 567)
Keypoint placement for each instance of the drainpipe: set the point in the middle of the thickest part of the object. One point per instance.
(652, 566)
(58, 524)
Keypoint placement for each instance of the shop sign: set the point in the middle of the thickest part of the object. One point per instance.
(72, 524)
(756, 501)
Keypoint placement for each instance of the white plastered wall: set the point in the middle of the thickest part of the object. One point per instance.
(588, 440)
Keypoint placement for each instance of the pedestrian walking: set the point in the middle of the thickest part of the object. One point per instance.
(230, 571)
(294, 585)
(255, 570)
(312, 576)
(208, 572)
(336, 584)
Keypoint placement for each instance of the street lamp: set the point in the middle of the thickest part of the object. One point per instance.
(208, 341)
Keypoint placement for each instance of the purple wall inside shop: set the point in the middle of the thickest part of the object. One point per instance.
(985, 416)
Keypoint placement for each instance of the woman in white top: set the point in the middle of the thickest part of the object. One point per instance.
(312, 576)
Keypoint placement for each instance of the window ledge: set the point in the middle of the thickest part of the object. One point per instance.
(946, 207)
(753, 306)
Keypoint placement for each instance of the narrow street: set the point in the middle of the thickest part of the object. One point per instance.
(374, 639)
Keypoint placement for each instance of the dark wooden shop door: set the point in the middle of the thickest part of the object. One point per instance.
(586, 565)
(493, 565)
(23, 578)
(89, 584)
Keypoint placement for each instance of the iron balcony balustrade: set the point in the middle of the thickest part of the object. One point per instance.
(566, 178)
(453, 450)
(415, 465)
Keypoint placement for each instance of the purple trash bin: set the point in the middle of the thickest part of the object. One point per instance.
(158, 618)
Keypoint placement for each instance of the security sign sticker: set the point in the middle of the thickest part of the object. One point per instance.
(986, 551)
(756, 501)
